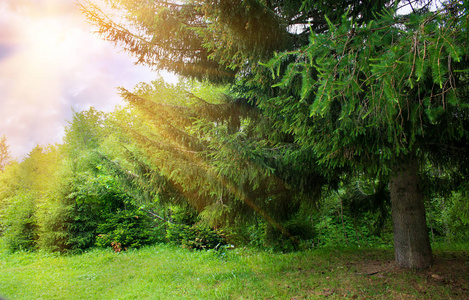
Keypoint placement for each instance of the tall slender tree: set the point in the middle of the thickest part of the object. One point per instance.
(5, 155)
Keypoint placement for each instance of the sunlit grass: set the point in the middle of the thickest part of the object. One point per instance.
(167, 272)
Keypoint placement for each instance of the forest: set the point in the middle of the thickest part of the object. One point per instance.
(295, 125)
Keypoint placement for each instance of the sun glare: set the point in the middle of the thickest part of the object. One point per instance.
(50, 61)
(41, 56)
(45, 53)
(45, 40)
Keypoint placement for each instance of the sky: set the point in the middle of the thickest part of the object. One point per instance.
(51, 62)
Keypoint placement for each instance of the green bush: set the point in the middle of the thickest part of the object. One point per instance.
(19, 223)
(267, 236)
(126, 229)
(197, 236)
(186, 231)
(55, 218)
(200, 236)
(448, 218)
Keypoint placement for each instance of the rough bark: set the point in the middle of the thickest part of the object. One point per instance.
(411, 241)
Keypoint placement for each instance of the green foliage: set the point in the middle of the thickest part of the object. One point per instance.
(75, 198)
(8, 182)
(163, 35)
(340, 94)
(216, 40)
(338, 226)
(211, 151)
(23, 194)
(102, 208)
(255, 153)
(125, 229)
(300, 229)
(448, 218)
(91, 201)
(73, 210)
(19, 222)
(365, 99)
(364, 200)
(375, 103)
(56, 219)
(186, 230)
(197, 236)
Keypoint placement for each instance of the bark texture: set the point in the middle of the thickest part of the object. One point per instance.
(411, 241)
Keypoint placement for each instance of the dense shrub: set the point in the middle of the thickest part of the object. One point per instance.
(19, 222)
(448, 218)
(197, 236)
(55, 220)
(125, 229)
(185, 229)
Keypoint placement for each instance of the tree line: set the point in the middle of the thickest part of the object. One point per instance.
(127, 178)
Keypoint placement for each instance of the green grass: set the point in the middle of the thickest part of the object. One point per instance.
(169, 272)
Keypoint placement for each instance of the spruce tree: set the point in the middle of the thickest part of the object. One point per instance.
(216, 39)
(214, 153)
(388, 99)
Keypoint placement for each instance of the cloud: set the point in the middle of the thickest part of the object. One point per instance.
(50, 62)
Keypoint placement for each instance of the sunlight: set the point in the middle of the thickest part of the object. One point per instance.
(44, 56)
(41, 57)
(46, 40)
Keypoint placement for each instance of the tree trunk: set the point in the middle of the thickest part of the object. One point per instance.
(411, 242)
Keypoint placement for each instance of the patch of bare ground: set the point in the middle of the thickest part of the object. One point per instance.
(449, 271)
(379, 277)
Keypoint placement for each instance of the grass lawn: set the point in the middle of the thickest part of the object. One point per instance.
(169, 272)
